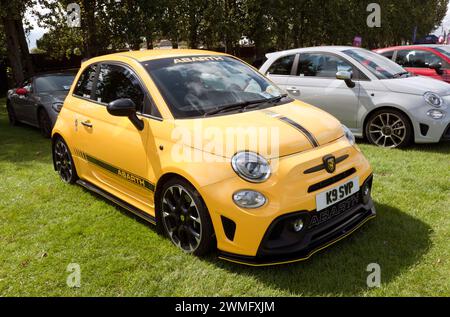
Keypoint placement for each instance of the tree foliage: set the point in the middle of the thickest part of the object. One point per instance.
(270, 24)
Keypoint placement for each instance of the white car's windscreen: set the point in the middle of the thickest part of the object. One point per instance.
(380, 66)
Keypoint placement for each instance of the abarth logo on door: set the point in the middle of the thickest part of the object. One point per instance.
(330, 163)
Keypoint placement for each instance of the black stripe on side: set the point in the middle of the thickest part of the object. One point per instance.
(305, 132)
(127, 176)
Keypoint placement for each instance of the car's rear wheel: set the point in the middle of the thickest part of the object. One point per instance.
(45, 124)
(389, 128)
(11, 115)
(63, 162)
(185, 218)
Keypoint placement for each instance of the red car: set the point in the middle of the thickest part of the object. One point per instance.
(425, 60)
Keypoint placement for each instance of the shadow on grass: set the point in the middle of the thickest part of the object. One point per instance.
(442, 147)
(394, 240)
(22, 143)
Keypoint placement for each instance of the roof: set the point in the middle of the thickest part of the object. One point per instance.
(146, 55)
(330, 49)
(412, 46)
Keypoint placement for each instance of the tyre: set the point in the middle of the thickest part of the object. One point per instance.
(63, 162)
(389, 128)
(185, 218)
(11, 115)
(45, 124)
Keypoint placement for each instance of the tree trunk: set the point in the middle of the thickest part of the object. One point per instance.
(26, 58)
(90, 34)
(13, 48)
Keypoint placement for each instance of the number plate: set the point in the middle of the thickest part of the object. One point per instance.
(336, 194)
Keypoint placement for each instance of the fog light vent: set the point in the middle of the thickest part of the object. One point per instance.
(229, 227)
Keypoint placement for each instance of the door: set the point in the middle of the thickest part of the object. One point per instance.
(280, 71)
(114, 150)
(418, 62)
(20, 102)
(316, 83)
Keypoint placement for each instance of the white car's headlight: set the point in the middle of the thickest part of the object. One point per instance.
(251, 166)
(349, 135)
(433, 99)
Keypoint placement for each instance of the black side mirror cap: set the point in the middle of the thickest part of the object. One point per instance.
(125, 107)
(437, 67)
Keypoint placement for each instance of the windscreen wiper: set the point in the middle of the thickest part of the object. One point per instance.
(245, 105)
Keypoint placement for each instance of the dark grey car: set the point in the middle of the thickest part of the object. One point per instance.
(39, 99)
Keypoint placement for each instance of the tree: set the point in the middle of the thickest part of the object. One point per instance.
(11, 14)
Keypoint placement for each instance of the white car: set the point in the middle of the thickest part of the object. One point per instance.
(370, 94)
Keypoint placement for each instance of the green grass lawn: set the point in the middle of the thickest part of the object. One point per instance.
(45, 225)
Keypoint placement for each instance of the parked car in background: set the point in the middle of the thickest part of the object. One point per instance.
(38, 100)
(375, 97)
(425, 60)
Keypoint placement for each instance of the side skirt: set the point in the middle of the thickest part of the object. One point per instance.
(117, 201)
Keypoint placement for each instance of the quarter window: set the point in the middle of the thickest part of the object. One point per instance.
(389, 54)
(282, 66)
(321, 65)
(115, 82)
(417, 59)
(83, 87)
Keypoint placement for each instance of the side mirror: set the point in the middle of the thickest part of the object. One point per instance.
(21, 91)
(437, 67)
(347, 77)
(125, 107)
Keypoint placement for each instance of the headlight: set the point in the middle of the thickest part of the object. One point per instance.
(249, 199)
(433, 99)
(436, 114)
(251, 167)
(57, 106)
(349, 135)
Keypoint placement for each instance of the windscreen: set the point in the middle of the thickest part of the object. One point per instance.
(192, 86)
(54, 83)
(380, 66)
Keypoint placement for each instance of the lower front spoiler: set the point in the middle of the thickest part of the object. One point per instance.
(340, 233)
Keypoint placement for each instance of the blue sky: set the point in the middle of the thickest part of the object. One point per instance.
(37, 31)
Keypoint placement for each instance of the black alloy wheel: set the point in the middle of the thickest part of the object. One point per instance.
(185, 218)
(63, 162)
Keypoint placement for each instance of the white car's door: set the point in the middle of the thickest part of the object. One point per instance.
(315, 83)
(281, 69)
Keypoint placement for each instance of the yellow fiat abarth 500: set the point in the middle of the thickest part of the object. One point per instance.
(208, 149)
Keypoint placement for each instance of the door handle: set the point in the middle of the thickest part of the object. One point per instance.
(294, 91)
(87, 123)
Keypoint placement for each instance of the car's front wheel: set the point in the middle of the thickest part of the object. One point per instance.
(45, 123)
(63, 162)
(389, 128)
(185, 218)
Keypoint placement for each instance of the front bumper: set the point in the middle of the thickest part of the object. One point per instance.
(322, 229)
(446, 134)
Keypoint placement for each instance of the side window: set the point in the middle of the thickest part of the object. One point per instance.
(389, 54)
(417, 59)
(83, 87)
(115, 82)
(282, 66)
(321, 65)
